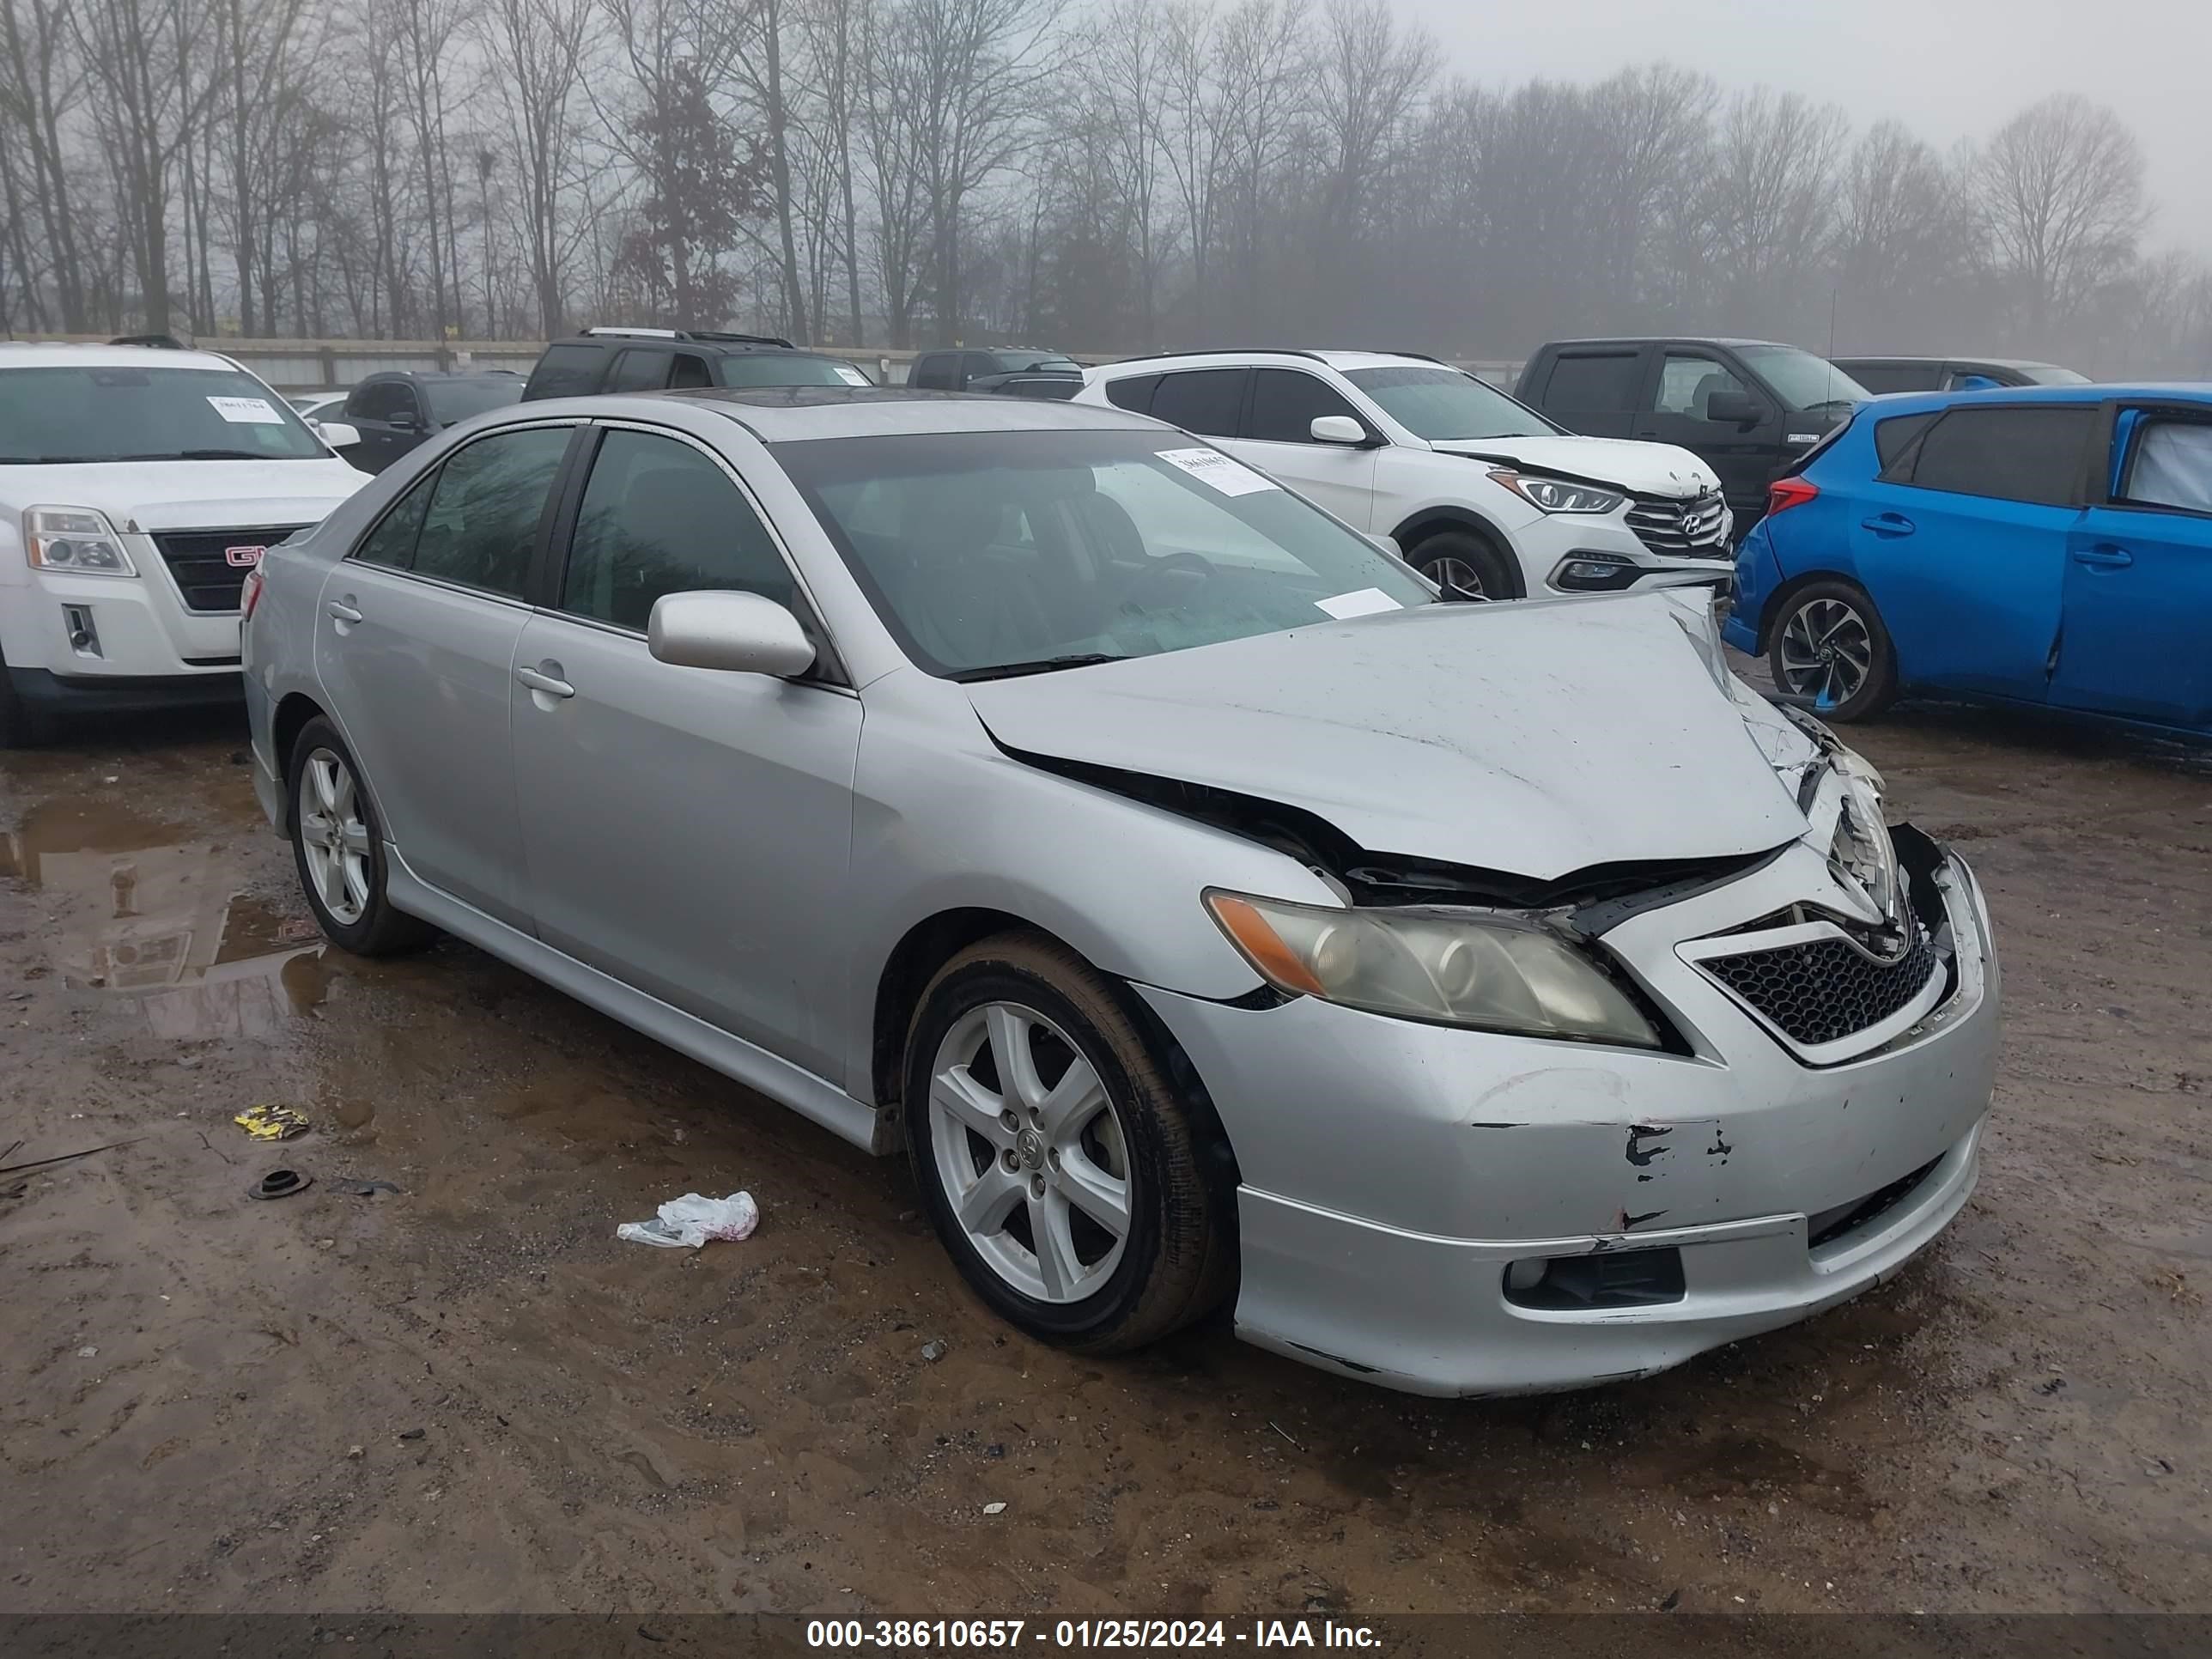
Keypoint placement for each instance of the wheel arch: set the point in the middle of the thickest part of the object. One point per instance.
(1791, 586)
(1428, 521)
(292, 713)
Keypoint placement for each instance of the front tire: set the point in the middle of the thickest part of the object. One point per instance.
(1063, 1172)
(1466, 562)
(338, 846)
(21, 725)
(1829, 645)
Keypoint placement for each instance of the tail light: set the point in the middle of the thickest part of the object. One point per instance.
(249, 596)
(1785, 493)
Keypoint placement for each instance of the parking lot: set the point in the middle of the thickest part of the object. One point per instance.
(467, 1395)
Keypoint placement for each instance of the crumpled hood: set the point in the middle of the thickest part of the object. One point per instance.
(147, 495)
(1645, 469)
(1539, 738)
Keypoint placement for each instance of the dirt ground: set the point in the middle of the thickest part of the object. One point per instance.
(469, 1396)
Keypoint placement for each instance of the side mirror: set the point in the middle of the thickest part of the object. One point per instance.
(1337, 429)
(336, 433)
(734, 632)
(406, 420)
(1735, 409)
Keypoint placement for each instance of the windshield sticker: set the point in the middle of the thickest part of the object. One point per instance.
(853, 376)
(1361, 602)
(246, 411)
(1213, 468)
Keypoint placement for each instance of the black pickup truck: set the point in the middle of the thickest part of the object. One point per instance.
(1748, 408)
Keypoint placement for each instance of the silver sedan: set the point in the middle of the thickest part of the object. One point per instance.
(1477, 998)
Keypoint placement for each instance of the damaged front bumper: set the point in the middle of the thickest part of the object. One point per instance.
(1407, 1188)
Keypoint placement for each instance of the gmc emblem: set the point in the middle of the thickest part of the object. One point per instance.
(244, 557)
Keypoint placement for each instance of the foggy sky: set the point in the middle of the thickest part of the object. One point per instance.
(1948, 68)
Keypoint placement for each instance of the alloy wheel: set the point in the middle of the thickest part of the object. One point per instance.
(1827, 651)
(334, 836)
(1030, 1152)
(1455, 574)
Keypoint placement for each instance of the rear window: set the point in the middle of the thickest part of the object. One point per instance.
(2032, 455)
(567, 371)
(1133, 393)
(1892, 437)
(1208, 400)
(1592, 381)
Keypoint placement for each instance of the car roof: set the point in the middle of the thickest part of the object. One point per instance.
(1955, 357)
(794, 414)
(1911, 403)
(1667, 339)
(440, 374)
(16, 354)
(1285, 355)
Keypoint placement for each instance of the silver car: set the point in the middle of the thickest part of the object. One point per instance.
(1479, 999)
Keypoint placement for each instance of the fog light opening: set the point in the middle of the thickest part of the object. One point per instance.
(1610, 1278)
(1594, 573)
(84, 637)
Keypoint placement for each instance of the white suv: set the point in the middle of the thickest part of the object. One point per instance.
(1481, 494)
(137, 488)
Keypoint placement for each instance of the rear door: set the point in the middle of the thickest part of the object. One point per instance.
(1591, 389)
(1278, 438)
(1208, 401)
(416, 649)
(686, 831)
(2138, 591)
(385, 414)
(1962, 541)
(1677, 403)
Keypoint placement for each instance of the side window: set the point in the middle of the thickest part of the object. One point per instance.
(1286, 402)
(1687, 383)
(1595, 382)
(1133, 393)
(1892, 438)
(973, 364)
(932, 371)
(393, 541)
(2036, 455)
(1879, 378)
(568, 371)
(1204, 400)
(659, 517)
(641, 371)
(2171, 466)
(485, 509)
(691, 370)
(377, 400)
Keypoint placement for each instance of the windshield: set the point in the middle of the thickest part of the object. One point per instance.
(790, 368)
(2050, 375)
(1801, 379)
(994, 552)
(455, 400)
(78, 413)
(1441, 404)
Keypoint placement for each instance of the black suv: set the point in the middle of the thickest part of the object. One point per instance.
(659, 359)
(1880, 375)
(1749, 409)
(1010, 372)
(395, 410)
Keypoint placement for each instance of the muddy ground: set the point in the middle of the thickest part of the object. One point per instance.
(470, 1396)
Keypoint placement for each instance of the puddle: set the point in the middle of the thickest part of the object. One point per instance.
(148, 913)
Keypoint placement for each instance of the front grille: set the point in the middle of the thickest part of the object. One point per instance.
(1681, 529)
(199, 561)
(1826, 989)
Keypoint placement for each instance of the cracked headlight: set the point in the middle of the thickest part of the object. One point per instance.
(1493, 973)
(1556, 495)
(76, 540)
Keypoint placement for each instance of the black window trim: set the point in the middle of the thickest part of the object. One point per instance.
(2152, 409)
(2086, 483)
(428, 478)
(550, 568)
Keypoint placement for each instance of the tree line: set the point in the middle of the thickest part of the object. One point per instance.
(1126, 175)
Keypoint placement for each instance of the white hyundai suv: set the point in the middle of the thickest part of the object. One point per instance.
(1481, 494)
(137, 488)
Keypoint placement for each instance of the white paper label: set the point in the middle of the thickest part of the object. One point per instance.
(853, 376)
(246, 411)
(1361, 602)
(1215, 469)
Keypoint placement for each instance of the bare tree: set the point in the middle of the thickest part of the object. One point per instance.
(536, 53)
(2060, 187)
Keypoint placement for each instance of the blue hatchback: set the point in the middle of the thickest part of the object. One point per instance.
(2044, 546)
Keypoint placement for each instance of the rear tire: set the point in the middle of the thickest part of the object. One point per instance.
(1828, 643)
(337, 843)
(1469, 561)
(1035, 1111)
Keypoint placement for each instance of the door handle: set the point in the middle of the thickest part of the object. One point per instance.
(1887, 524)
(340, 611)
(2103, 556)
(545, 683)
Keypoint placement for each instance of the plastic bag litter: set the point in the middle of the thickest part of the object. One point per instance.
(688, 1222)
